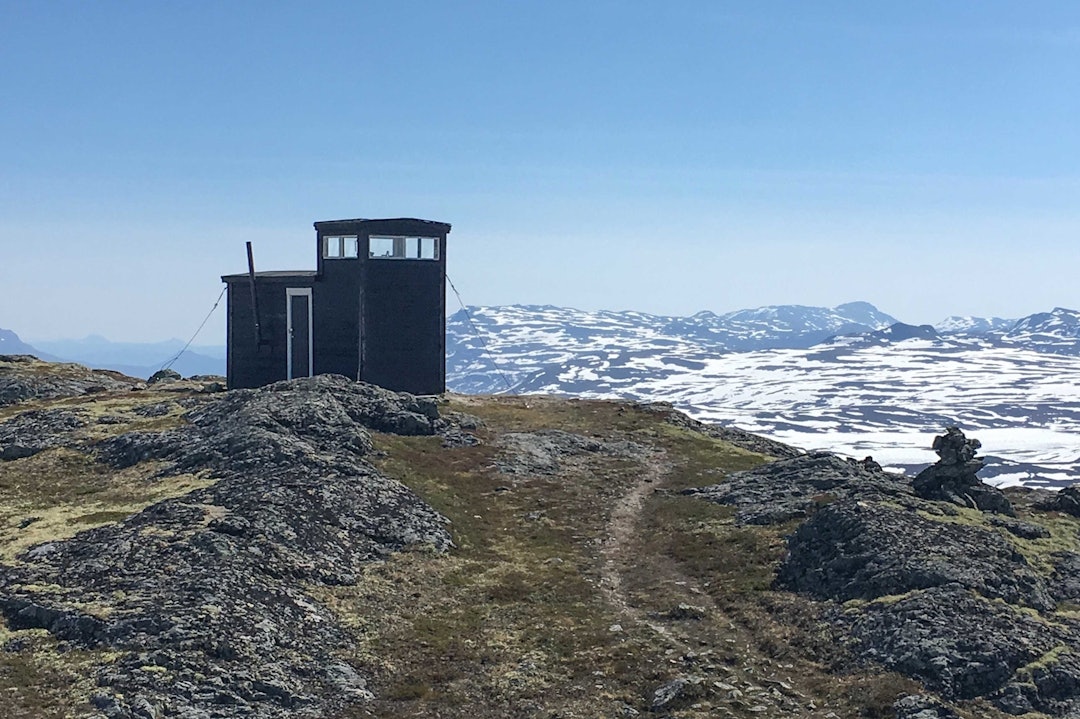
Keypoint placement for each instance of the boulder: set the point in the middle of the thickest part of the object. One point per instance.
(920, 706)
(164, 375)
(1067, 500)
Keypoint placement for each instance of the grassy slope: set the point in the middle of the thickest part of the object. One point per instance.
(517, 621)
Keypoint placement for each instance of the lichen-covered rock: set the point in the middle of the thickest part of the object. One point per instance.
(793, 488)
(1024, 530)
(28, 433)
(964, 646)
(208, 587)
(1065, 579)
(544, 451)
(318, 422)
(675, 694)
(861, 550)
(920, 706)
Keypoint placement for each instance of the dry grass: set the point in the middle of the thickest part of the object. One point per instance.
(39, 682)
(512, 618)
(58, 493)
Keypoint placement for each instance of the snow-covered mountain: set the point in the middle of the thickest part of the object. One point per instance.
(776, 327)
(1055, 332)
(973, 325)
(897, 332)
(530, 340)
(883, 390)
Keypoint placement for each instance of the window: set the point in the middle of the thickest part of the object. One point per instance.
(381, 247)
(336, 247)
(403, 248)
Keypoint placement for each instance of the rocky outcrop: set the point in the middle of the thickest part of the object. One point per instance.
(24, 377)
(202, 596)
(963, 601)
(952, 478)
(545, 451)
(794, 488)
(319, 422)
(1067, 501)
(856, 549)
(34, 431)
(964, 646)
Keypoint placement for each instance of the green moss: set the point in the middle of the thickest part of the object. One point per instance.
(99, 518)
(1048, 659)
(1064, 537)
(961, 515)
(1040, 552)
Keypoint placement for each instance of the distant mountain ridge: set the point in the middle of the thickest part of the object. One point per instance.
(136, 359)
(876, 390)
(778, 326)
(1054, 332)
(530, 342)
(973, 325)
(534, 340)
(534, 336)
(10, 344)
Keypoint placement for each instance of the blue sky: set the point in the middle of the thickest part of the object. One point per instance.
(664, 157)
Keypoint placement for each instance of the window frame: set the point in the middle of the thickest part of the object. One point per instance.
(343, 247)
(400, 242)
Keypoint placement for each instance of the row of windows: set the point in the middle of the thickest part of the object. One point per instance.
(336, 247)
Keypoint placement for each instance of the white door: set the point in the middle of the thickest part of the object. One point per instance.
(298, 326)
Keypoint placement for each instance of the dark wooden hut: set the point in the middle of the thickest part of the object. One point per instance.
(374, 309)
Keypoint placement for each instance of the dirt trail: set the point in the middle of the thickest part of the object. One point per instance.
(759, 681)
(617, 550)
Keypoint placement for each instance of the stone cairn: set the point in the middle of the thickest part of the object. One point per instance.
(952, 478)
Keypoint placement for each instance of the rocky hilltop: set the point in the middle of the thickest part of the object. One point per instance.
(326, 548)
